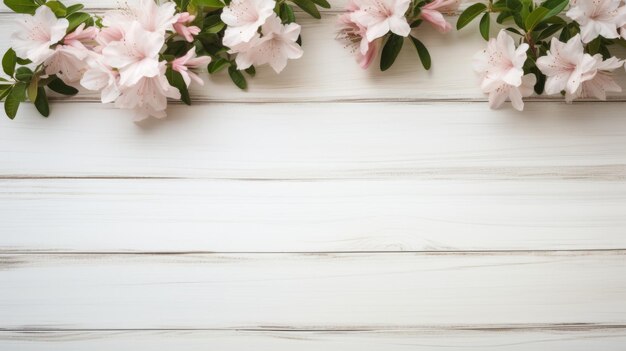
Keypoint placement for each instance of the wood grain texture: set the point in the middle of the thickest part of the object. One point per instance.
(561, 338)
(461, 141)
(328, 72)
(311, 291)
(157, 215)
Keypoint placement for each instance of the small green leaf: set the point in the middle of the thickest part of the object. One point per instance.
(514, 5)
(217, 4)
(308, 6)
(251, 71)
(469, 14)
(58, 86)
(286, 13)
(555, 7)
(237, 77)
(390, 51)
(22, 6)
(177, 81)
(41, 103)
(73, 9)
(535, 17)
(23, 74)
(484, 26)
(32, 89)
(58, 8)
(416, 23)
(76, 19)
(218, 65)
(6, 89)
(213, 24)
(8, 62)
(422, 52)
(322, 3)
(16, 96)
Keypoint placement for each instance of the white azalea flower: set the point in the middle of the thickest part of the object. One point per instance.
(152, 17)
(277, 45)
(500, 69)
(598, 17)
(381, 16)
(136, 55)
(103, 78)
(37, 33)
(601, 83)
(566, 65)
(243, 19)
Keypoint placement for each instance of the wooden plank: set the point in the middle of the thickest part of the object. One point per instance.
(582, 338)
(462, 141)
(99, 215)
(327, 71)
(311, 291)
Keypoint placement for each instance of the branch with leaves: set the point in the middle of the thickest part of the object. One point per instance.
(369, 25)
(139, 56)
(548, 47)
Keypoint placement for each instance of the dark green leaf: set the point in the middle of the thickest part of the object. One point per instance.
(6, 89)
(58, 86)
(469, 14)
(309, 7)
(22, 6)
(237, 77)
(251, 71)
(23, 74)
(422, 52)
(416, 23)
(555, 7)
(217, 4)
(8, 62)
(484, 25)
(218, 65)
(514, 5)
(41, 103)
(549, 31)
(535, 18)
(213, 24)
(74, 8)
(286, 13)
(322, 3)
(177, 81)
(58, 8)
(16, 96)
(32, 89)
(76, 19)
(390, 51)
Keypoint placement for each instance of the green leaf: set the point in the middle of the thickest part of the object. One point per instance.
(6, 89)
(514, 5)
(416, 23)
(322, 3)
(209, 3)
(8, 62)
(251, 71)
(422, 52)
(286, 13)
(76, 19)
(15, 97)
(74, 8)
(32, 89)
(177, 81)
(390, 51)
(237, 77)
(41, 103)
(213, 24)
(22, 6)
(469, 14)
(535, 17)
(58, 86)
(309, 7)
(485, 21)
(218, 65)
(58, 8)
(23, 74)
(555, 7)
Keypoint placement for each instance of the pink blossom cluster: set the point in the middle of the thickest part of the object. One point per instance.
(568, 68)
(365, 23)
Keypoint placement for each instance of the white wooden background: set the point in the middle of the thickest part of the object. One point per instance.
(327, 208)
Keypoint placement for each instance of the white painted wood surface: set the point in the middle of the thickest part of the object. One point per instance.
(327, 208)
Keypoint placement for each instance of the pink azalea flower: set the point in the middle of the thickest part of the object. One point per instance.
(277, 45)
(108, 35)
(598, 17)
(183, 30)
(353, 34)
(432, 13)
(152, 17)
(243, 18)
(382, 16)
(566, 65)
(148, 97)
(601, 83)
(67, 62)
(500, 68)
(136, 56)
(37, 33)
(100, 77)
(190, 60)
